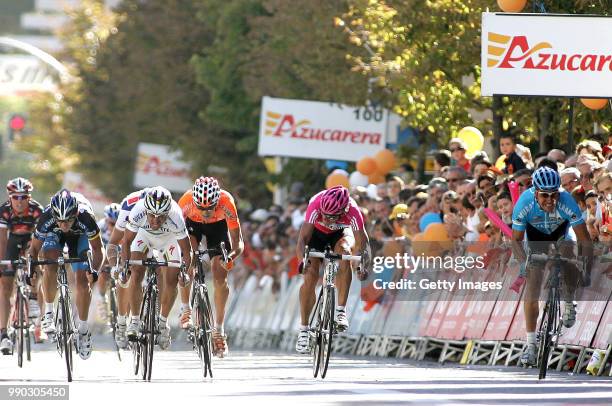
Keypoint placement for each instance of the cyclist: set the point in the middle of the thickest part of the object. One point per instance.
(331, 219)
(68, 221)
(106, 225)
(155, 223)
(18, 218)
(546, 215)
(211, 212)
(112, 252)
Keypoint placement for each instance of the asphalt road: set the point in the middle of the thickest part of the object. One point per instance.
(279, 378)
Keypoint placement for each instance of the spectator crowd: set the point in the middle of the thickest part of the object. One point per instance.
(460, 192)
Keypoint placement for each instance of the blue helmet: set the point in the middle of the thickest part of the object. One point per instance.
(64, 206)
(111, 211)
(547, 179)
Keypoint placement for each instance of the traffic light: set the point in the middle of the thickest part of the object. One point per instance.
(16, 125)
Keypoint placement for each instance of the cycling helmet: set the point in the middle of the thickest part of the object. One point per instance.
(158, 201)
(111, 211)
(335, 201)
(19, 186)
(547, 179)
(206, 191)
(64, 205)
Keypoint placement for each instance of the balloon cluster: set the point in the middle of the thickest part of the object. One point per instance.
(369, 170)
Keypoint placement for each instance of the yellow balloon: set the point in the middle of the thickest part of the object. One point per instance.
(473, 139)
(500, 163)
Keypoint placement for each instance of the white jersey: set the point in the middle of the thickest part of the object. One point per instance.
(84, 203)
(127, 204)
(175, 224)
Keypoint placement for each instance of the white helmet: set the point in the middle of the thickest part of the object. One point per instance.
(158, 201)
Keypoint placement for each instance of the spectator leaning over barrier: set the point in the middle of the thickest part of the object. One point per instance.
(442, 158)
(454, 176)
(513, 161)
(570, 178)
(556, 155)
(458, 148)
(394, 186)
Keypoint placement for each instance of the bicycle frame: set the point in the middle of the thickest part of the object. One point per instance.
(322, 320)
(20, 314)
(549, 330)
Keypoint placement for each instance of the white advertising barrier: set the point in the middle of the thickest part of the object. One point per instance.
(309, 129)
(24, 73)
(157, 165)
(75, 182)
(546, 55)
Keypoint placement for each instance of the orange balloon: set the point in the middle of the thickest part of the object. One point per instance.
(367, 166)
(595, 104)
(336, 179)
(385, 160)
(376, 178)
(512, 6)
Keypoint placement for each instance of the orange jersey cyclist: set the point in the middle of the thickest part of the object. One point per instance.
(332, 218)
(210, 212)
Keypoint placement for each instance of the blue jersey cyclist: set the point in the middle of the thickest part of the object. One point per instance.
(68, 222)
(547, 215)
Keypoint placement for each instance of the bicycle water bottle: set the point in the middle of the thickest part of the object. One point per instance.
(595, 362)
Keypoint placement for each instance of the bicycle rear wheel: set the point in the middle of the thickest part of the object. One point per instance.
(316, 327)
(328, 329)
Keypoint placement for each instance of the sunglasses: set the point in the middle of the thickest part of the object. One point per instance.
(548, 195)
(20, 197)
(65, 221)
(208, 208)
(332, 217)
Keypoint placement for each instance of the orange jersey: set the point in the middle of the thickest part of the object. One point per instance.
(225, 210)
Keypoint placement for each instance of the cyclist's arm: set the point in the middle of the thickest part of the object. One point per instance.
(304, 237)
(585, 244)
(237, 243)
(517, 245)
(3, 241)
(185, 245)
(35, 247)
(96, 251)
(128, 237)
(112, 248)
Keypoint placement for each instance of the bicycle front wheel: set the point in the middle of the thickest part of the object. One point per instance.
(546, 330)
(19, 308)
(328, 329)
(316, 328)
(150, 334)
(64, 336)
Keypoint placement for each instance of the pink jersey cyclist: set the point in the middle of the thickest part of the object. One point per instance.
(351, 218)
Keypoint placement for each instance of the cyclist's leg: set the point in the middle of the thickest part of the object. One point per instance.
(171, 251)
(344, 246)
(138, 250)
(51, 249)
(215, 234)
(6, 291)
(77, 248)
(571, 278)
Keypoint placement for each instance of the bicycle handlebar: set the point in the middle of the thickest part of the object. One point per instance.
(154, 262)
(13, 262)
(212, 252)
(333, 255)
(546, 258)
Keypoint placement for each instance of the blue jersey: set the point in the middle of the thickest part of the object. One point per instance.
(528, 211)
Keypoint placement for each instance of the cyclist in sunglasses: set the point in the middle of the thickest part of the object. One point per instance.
(546, 215)
(18, 217)
(210, 212)
(331, 219)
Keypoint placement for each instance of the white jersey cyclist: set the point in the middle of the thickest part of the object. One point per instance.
(127, 204)
(164, 239)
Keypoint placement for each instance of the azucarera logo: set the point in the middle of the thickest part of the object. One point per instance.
(281, 125)
(515, 52)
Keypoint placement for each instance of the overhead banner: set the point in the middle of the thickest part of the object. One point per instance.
(308, 129)
(546, 55)
(157, 165)
(24, 73)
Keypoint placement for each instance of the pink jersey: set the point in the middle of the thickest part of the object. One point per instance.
(352, 218)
